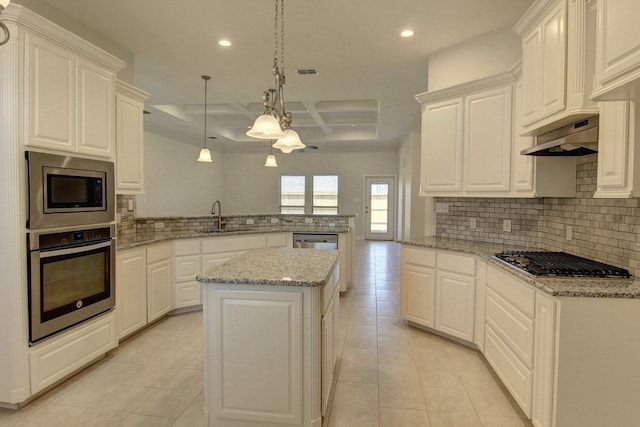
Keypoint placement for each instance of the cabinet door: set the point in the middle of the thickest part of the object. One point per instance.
(523, 166)
(129, 145)
(554, 47)
(131, 291)
(417, 288)
(159, 289)
(441, 157)
(51, 94)
(455, 304)
(618, 40)
(95, 109)
(487, 140)
(543, 362)
(211, 260)
(187, 294)
(532, 76)
(618, 142)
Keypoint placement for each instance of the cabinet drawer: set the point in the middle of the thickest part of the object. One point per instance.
(460, 264)
(230, 244)
(510, 289)
(186, 268)
(277, 240)
(186, 247)
(423, 257)
(515, 376)
(159, 252)
(513, 327)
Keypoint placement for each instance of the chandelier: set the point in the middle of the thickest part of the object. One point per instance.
(275, 122)
(3, 6)
(205, 154)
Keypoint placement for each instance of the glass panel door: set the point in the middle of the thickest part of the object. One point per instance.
(379, 208)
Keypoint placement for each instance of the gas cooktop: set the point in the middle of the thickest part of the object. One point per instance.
(540, 263)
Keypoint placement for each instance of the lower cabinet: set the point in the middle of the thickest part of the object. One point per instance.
(437, 290)
(144, 286)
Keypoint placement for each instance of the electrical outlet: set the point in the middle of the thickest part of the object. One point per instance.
(274, 220)
(569, 232)
(308, 220)
(130, 204)
(249, 221)
(442, 207)
(506, 225)
(472, 223)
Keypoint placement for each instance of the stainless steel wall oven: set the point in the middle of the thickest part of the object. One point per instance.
(71, 278)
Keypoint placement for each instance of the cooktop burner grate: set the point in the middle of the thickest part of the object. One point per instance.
(540, 263)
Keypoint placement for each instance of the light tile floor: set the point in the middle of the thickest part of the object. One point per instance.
(390, 374)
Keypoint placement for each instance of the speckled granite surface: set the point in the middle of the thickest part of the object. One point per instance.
(559, 287)
(275, 267)
(142, 239)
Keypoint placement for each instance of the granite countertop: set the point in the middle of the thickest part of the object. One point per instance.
(142, 239)
(555, 286)
(275, 267)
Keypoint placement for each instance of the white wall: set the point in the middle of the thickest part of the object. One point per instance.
(252, 188)
(175, 183)
(483, 56)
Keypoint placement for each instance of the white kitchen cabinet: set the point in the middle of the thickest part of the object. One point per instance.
(455, 295)
(131, 291)
(129, 138)
(487, 140)
(70, 100)
(543, 361)
(480, 304)
(417, 286)
(437, 290)
(442, 139)
(509, 334)
(159, 281)
(618, 149)
(464, 128)
(186, 266)
(617, 51)
(557, 63)
(330, 345)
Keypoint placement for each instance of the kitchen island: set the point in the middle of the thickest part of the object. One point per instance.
(271, 320)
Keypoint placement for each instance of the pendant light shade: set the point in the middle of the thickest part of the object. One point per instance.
(291, 141)
(271, 161)
(5, 30)
(266, 126)
(205, 154)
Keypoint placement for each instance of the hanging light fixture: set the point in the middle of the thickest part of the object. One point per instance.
(3, 6)
(275, 122)
(271, 160)
(205, 154)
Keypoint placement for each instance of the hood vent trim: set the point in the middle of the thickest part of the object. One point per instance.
(575, 140)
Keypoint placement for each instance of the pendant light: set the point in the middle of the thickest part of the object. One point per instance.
(271, 160)
(3, 6)
(205, 154)
(275, 123)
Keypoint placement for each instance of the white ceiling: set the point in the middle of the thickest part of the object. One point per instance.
(368, 75)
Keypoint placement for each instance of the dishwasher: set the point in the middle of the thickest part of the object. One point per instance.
(315, 241)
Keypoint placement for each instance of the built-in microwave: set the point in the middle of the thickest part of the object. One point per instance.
(69, 191)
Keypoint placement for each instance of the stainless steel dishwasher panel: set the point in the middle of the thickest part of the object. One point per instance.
(315, 241)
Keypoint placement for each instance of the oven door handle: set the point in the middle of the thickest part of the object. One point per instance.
(75, 249)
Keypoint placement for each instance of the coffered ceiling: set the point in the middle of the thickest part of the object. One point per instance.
(362, 96)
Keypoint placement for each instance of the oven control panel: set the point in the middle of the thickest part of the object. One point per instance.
(71, 238)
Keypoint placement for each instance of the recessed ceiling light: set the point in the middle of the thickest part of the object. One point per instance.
(225, 43)
(407, 33)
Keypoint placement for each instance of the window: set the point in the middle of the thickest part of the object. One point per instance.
(325, 194)
(292, 194)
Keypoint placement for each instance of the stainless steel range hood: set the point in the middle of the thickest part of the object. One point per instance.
(577, 139)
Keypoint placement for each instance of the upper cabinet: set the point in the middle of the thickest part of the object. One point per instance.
(558, 38)
(129, 138)
(69, 97)
(463, 129)
(617, 51)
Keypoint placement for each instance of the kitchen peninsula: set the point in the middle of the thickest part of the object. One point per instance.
(271, 319)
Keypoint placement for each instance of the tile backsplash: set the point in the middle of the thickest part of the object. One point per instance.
(607, 230)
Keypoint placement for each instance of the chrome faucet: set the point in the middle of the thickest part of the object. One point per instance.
(213, 212)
